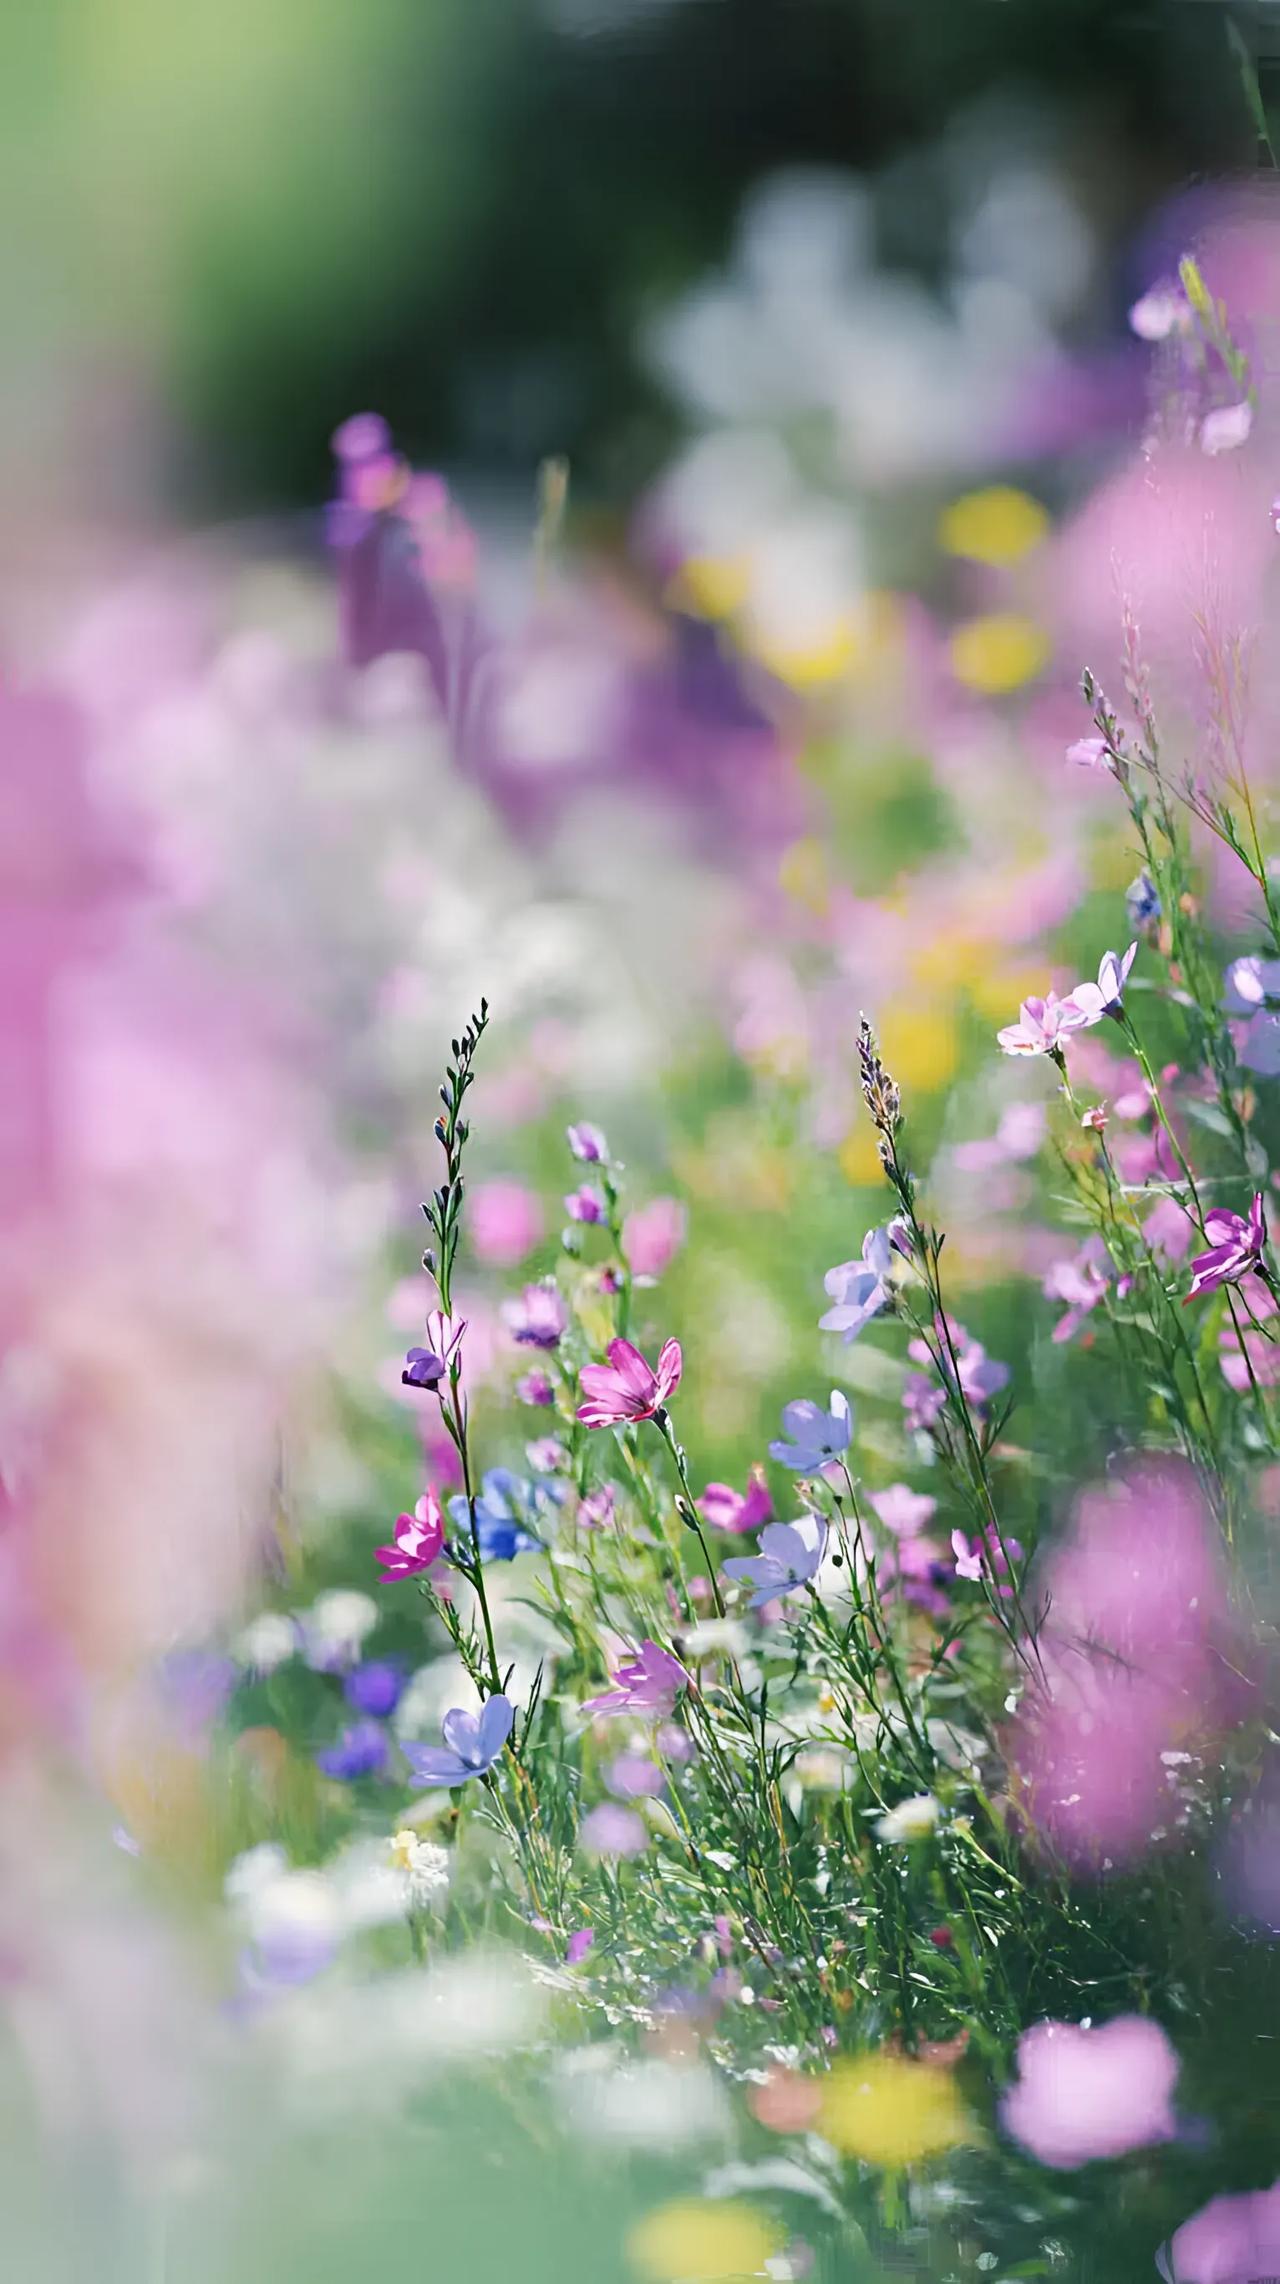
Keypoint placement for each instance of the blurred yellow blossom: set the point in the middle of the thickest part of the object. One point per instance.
(998, 653)
(694, 2241)
(859, 1155)
(715, 586)
(918, 1044)
(804, 875)
(891, 2111)
(998, 525)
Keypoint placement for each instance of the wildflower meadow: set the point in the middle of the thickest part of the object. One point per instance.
(640, 1360)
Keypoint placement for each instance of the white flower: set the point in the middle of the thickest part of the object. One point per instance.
(268, 1641)
(422, 1867)
(1229, 426)
(911, 1820)
(335, 1626)
(648, 2102)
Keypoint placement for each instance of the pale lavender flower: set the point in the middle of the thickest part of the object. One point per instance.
(647, 1682)
(587, 1144)
(634, 1777)
(472, 1743)
(539, 1318)
(813, 1437)
(586, 1205)
(1090, 753)
(968, 1557)
(535, 1388)
(859, 1289)
(790, 1557)
(1106, 996)
(1081, 1283)
(596, 1510)
(1042, 1025)
(612, 1830)
(904, 1511)
(1160, 311)
(578, 1945)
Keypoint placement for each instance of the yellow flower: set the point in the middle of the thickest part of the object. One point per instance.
(715, 586)
(891, 2111)
(803, 875)
(813, 665)
(703, 2242)
(999, 653)
(918, 1045)
(859, 1156)
(403, 1845)
(996, 526)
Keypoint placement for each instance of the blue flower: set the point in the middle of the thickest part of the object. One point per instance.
(790, 1555)
(361, 1750)
(505, 1506)
(375, 1687)
(816, 1436)
(472, 1743)
(859, 1288)
(1142, 901)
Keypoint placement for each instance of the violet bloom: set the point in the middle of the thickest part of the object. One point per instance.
(597, 1510)
(790, 1557)
(1081, 1283)
(1106, 996)
(1253, 1000)
(502, 1507)
(375, 1688)
(586, 1205)
(1090, 753)
(1083, 2094)
(578, 1945)
(968, 1557)
(417, 1541)
(649, 1682)
(1142, 901)
(427, 1367)
(611, 1830)
(1042, 1025)
(539, 1318)
(633, 1777)
(860, 1289)
(813, 1437)
(1236, 1249)
(985, 1556)
(535, 1388)
(904, 1511)
(547, 1455)
(628, 1388)
(587, 1144)
(724, 1509)
(1231, 2240)
(472, 1743)
(361, 1750)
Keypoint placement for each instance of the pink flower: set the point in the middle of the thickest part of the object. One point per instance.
(1042, 1025)
(1245, 1353)
(596, 1510)
(539, 1317)
(1090, 753)
(652, 1237)
(1231, 2240)
(586, 1204)
(611, 1830)
(727, 1510)
(968, 1557)
(903, 1511)
(1235, 1248)
(505, 1222)
(1082, 2094)
(627, 1388)
(578, 1945)
(1081, 1283)
(587, 1143)
(649, 1682)
(535, 1388)
(418, 1540)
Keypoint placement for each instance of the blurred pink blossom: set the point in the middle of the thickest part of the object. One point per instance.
(1084, 2093)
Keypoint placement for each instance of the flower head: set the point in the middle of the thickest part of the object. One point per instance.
(811, 1436)
(375, 1688)
(427, 1367)
(1235, 1249)
(362, 1750)
(790, 1556)
(1105, 997)
(627, 1387)
(904, 1511)
(538, 1318)
(502, 1505)
(416, 1541)
(1231, 2240)
(586, 1205)
(587, 1144)
(1087, 2093)
(914, 1819)
(1142, 901)
(725, 1509)
(472, 1743)
(1041, 1026)
(859, 1289)
(648, 1682)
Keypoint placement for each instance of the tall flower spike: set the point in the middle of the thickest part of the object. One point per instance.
(879, 1091)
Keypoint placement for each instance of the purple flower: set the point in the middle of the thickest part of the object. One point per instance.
(535, 1388)
(1231, 2240)
(814, 1437)
(611, 1830)
(1253, 998)
(1106, 996)
(968, 1557)
(1090, 753)
(725, 1509)
(1142, 901)
(1080, 1283)
(587, 1144)
(472, 1743)
(585, 1205)
(1235, 1248)
(790, 1556)
(427, 1367)
(902, 1510)
(375, 1688)
(649, 1682)
(861, 1288)
(1082, 2094)
(547, 1455)
(539, 1317)
(596, 1510)
(633, 1777)
(1041, 1026)
(364, 436)
(578, 1945)
(361, 1750)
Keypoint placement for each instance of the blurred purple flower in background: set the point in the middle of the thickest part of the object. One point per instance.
(1084, 2093)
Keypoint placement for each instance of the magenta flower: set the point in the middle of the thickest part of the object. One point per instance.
(628, 1388)
(505, 1221)
(1235, 1248)
(973, 1557)
(1082, 2094)
(1231, 2240)
(417, 1541)
(649, 1682)
(539, 1317)
(725, 1509)
(585, 1205)
(1081, 1283)
(596, 1510)
(472, 1743)
(535, 1388)
(587, 1144)
(578, 1945)
(1106, 996)
(1042, 1025)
